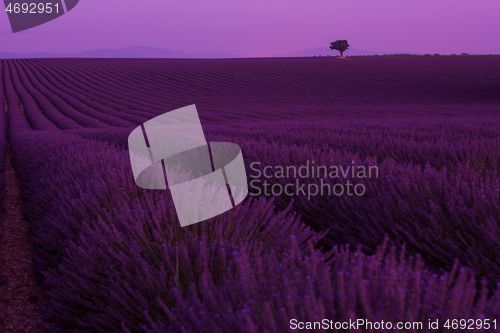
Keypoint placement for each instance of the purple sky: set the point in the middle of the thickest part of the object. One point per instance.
(267, 27)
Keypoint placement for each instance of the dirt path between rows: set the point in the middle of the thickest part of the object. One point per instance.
(20, 293)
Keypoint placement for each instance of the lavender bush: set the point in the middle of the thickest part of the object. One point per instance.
(266, 294)
(52, 86)
(127, 263)
(439, 208)
(16, 118)
(44, 102)
(27, 104)
(112, 257)
(68, 198)
(71, 107)
(449, 171)
(95, 90)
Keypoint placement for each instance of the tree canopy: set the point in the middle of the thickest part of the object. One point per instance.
(340, 45)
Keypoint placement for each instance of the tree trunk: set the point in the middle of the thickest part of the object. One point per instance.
(341, 53)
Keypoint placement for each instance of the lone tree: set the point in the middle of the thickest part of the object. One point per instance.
(340, 45)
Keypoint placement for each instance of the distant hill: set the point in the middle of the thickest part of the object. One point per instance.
(129, 52)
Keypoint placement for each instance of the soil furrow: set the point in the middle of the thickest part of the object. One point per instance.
(19, 296)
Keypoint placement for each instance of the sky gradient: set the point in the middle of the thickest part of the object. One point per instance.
(266, 27)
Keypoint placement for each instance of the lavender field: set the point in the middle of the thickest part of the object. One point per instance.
(422, 242)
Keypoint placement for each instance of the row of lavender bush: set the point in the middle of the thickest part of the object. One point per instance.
(278, 88)
(17, 93)
(50, 111)
(438, 188)
(51, 107)
(146, 96)
(131, 92)
(17, 120)
(76, 105)
(127, 91)
(74, 94)
(47, 108)
(54, 107)
(140, 90)
(88, 186)
(112, 257)
(97, 87)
